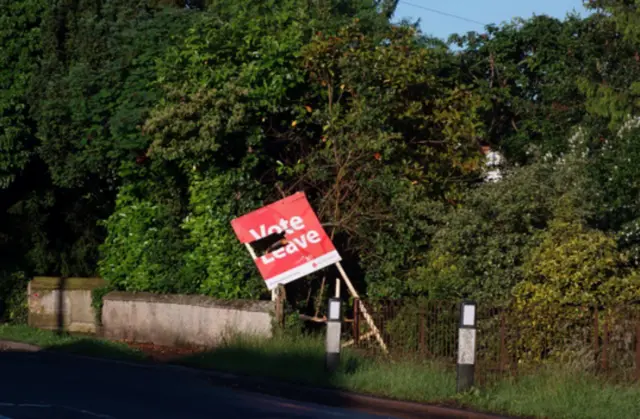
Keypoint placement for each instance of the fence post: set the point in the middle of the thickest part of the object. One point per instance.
(466, 347)
(638, 350)
(596, 336)
(278, 296)
(356, 321)
(422, 327)
(605, 344)
(503, 348)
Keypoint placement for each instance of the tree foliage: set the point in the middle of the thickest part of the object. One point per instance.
(64, 73)
(482, 247)
(576, 266)
(386, 144)
(573, 271)
(132, 132)
(18, 66)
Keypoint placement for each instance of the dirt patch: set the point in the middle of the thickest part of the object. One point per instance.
(17, 347)
(164, 353)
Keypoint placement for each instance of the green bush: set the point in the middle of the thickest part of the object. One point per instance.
(97, 300)
(151, 248)
(144, 246)
(573, 271)
(576, 266)
(13, 297)
(481, 248)
(216, 263)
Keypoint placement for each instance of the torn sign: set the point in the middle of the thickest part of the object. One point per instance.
(286, 240)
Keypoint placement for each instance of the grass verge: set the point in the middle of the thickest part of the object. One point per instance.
(50, 340)
(554, 392)
(550, 393)
(302, 361)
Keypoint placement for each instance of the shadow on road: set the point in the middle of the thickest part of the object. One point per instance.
(62, 286)
(99, 349)
(131, 390)
(92, 383)
(276, 374)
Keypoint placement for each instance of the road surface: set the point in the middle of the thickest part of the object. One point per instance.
(47, 386)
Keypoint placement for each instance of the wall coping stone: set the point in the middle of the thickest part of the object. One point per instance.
(192, 300)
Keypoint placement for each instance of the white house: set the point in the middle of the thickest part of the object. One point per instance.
(494, 162)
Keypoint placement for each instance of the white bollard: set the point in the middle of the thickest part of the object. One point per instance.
(466, 347)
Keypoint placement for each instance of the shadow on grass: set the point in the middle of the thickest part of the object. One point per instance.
(98, 348)
(301, 362)
(16, 336)
(297, 375)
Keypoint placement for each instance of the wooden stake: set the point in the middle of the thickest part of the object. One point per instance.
(363, 309)
(313, 319)
(353, 341)
(337, 287)
(251, 251)
(324, 278)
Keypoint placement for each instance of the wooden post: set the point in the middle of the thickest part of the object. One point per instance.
(324, 279)
(596, 336)
(605, 344)
(251, 251)
(638, 351)
(278, 296)
(503, 347)
(356, 324)
(363, 309)
(422, 337)
(362, 337)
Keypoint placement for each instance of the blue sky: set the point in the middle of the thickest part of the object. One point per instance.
(485, 11)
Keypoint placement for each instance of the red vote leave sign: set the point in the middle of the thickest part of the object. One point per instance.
(306, 247)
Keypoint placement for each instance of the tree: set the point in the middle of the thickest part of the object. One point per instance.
(20, 49)
(575, 266)
(541, 77)
(289, 105)
(572, 272)
(233, 116)
(388, 7)
(68, 72)
(482, 247)
(386, 145)
(625, 13)
(94, 89)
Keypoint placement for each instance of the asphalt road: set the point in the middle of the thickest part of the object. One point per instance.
(47, 386)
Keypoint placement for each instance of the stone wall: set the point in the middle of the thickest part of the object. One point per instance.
(63, 303)
(182, 319)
